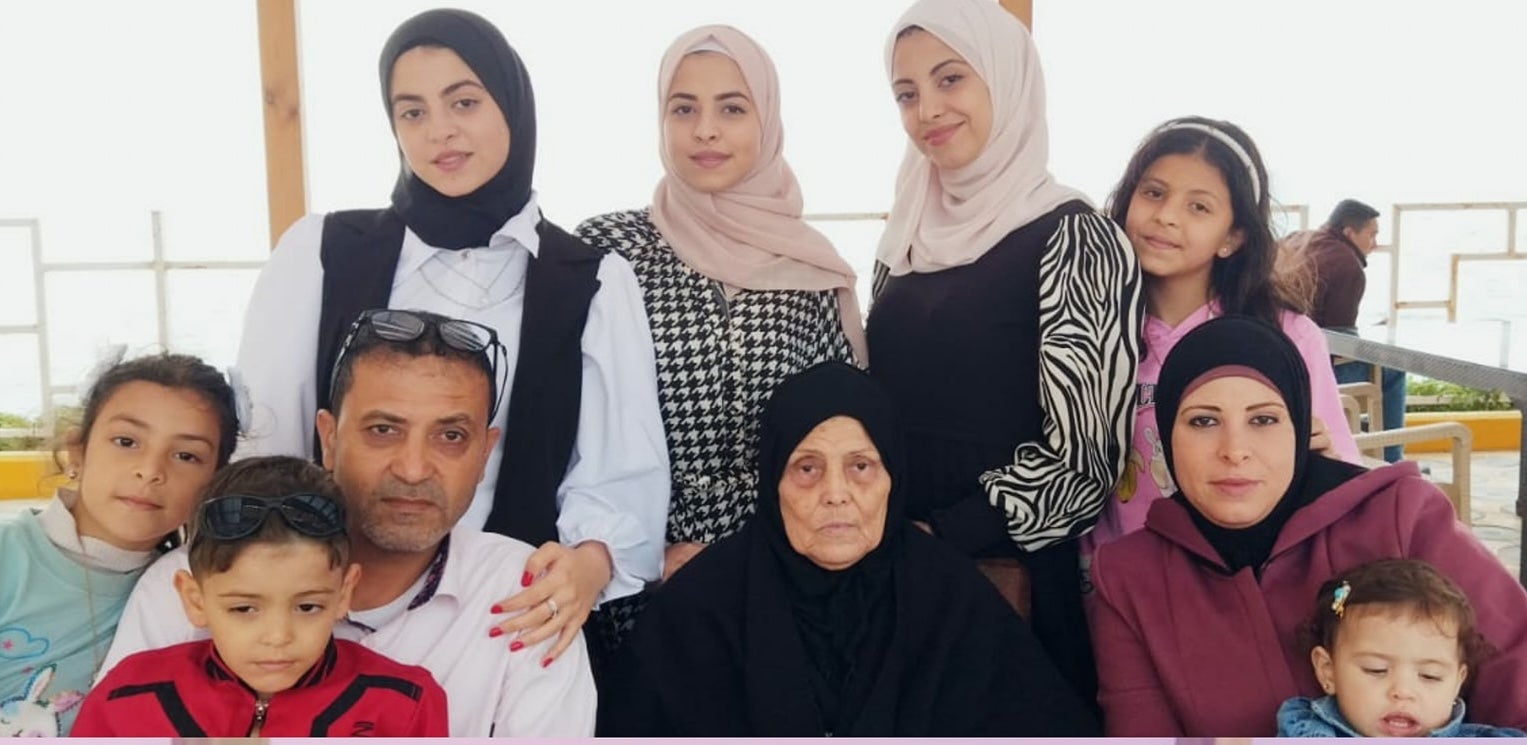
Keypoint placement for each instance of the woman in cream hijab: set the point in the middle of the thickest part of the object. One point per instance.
(1006, 316)
(740, 291)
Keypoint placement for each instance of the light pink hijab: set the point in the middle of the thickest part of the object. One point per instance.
(944, 219)
(751, 235)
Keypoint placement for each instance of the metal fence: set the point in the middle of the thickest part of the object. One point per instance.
(157, 264)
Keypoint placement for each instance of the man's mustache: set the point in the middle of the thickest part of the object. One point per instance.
(392, 488)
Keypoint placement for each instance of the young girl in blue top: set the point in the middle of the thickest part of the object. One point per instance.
(153, 432)
(1394, 641)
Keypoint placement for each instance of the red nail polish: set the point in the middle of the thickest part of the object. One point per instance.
(516, 645)
(496, 609)
(495, 631)
(546, 662)
(525, 579)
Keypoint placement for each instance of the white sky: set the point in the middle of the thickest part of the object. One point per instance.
(117, 109)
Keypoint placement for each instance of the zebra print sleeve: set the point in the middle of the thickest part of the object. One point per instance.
(1089, 347)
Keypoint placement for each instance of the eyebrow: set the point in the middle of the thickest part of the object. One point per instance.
(1217, 409)
(934, 71)
(718, 97)
(448, 90)
(235, 595)
(386, 416)
(140, 424)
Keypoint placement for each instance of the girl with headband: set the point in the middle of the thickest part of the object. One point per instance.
(1194, 203)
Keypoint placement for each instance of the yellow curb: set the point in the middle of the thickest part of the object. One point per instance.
(1493, 430)
(28, 474)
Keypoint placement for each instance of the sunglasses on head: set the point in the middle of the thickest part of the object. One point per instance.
(236, 516)
(404, 326)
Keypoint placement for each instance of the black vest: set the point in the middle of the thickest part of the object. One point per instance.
(360, 257)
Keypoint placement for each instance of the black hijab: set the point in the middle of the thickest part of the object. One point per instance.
(1249, 343)
(753, 639)
(469, 220)
(841, 615)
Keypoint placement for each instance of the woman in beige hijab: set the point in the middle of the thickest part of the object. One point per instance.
(1006, 318)
(741, 293)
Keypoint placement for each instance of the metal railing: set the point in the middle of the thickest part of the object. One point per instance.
(158, 264)
(1455, 259)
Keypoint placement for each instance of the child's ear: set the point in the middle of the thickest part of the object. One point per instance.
(74, 450)
(1325, 669)
(191, 598)
(327, 424)
(347, 588)
(1233, 243)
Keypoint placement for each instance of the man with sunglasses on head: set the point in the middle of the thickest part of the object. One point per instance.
(407, 438)
(269, 577)
(581, 470)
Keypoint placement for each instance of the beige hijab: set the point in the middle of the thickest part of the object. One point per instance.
(944, 219)
(751, 235)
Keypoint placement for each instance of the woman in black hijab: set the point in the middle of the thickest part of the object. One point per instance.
(580, 470)
(1197, 618)
(830, 614)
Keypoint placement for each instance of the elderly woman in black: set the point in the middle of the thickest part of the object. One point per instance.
(829, 613)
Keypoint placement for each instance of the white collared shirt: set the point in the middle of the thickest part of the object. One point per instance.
(489, 690)
(617, 486)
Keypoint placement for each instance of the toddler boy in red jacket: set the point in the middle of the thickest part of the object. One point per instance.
(270, 576)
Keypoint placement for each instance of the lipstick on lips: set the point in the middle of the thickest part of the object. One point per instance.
(450, 160)
(940, 135)
(709, 158)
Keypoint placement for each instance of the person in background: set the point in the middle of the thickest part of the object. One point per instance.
(1334, 258)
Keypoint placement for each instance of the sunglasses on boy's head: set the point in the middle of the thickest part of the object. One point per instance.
(236, 516)
(404, 326)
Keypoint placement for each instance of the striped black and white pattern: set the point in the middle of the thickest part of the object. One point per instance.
(1089, 349)
(717, 361)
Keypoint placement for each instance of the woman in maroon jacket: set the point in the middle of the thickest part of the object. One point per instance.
(1197, 616)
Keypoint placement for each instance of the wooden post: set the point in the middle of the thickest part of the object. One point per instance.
(285, 176)
(1024, 9)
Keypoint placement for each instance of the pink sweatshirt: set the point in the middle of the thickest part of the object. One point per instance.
(1145, 475)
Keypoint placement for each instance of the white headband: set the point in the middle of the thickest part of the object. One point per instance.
(1235, 147)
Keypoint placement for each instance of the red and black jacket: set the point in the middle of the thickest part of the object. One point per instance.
(187, 691)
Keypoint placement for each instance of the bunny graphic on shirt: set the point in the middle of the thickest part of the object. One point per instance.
(31, 715)
(1159, 472)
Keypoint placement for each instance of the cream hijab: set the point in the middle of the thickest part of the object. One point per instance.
(944, 219)
(751, 235)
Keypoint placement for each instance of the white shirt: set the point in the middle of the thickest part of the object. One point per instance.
(489, 690)
(617, 486)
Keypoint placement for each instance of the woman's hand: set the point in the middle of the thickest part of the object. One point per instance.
(677, 555)
(1320, 439)
(561, 586)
